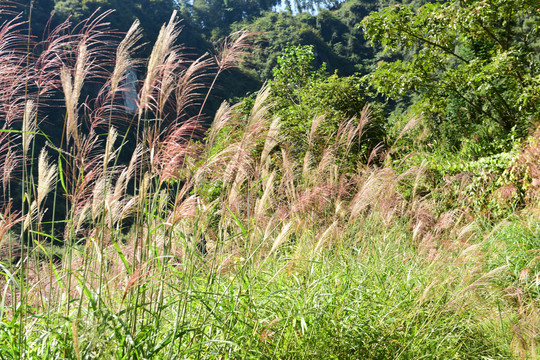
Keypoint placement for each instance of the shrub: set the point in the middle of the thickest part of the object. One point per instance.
(312, 106)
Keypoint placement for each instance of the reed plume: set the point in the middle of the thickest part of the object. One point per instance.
(46, 177)
(9, 158)
(8, 219)
(233, 49)
(72, 84)
(28, 127)
(175, 149)
(124, 55)
(161, 51)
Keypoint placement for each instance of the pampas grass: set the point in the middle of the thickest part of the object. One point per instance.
(223, 244)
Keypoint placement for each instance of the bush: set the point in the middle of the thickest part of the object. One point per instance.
(313, 107)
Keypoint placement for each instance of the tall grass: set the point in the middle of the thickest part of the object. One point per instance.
(229, 247)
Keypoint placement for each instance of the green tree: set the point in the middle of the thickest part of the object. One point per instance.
(215, 17)
(152, 14)
(302, 93)
(475, 65)
(335, 38)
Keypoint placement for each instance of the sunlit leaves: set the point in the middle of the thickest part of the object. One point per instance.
(480, 53)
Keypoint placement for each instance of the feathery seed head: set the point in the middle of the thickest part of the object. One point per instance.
(109, 147)
(46, 176)
(233, 49)
(28, 126)
(282, 237)
(161, 50)
(124, 61)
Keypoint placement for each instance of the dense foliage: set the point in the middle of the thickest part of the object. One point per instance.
(476, 66)
(312, 106)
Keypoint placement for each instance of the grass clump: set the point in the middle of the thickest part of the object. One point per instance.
(232, 247)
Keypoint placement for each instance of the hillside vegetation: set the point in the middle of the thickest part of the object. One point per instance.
(375, 198)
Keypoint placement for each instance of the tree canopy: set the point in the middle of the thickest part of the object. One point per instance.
(475, 64)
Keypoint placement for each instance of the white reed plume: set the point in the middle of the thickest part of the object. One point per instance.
(306, 165)
(124, 61)
(317, 120)
(264, 201)
(169, 78)
(327, 163)
(109, 147)
(259, 110)
(10, 163)
(28, 126)
(143, 189)
(378, 186)
(98, 196)
(223, 115)
(272, 139)
(324, 237)
(32, 216)
(46, 177)
(135, 158)
(282, 237)
(162, 48)
(121, 183)
(72, 89)
(411, 124)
